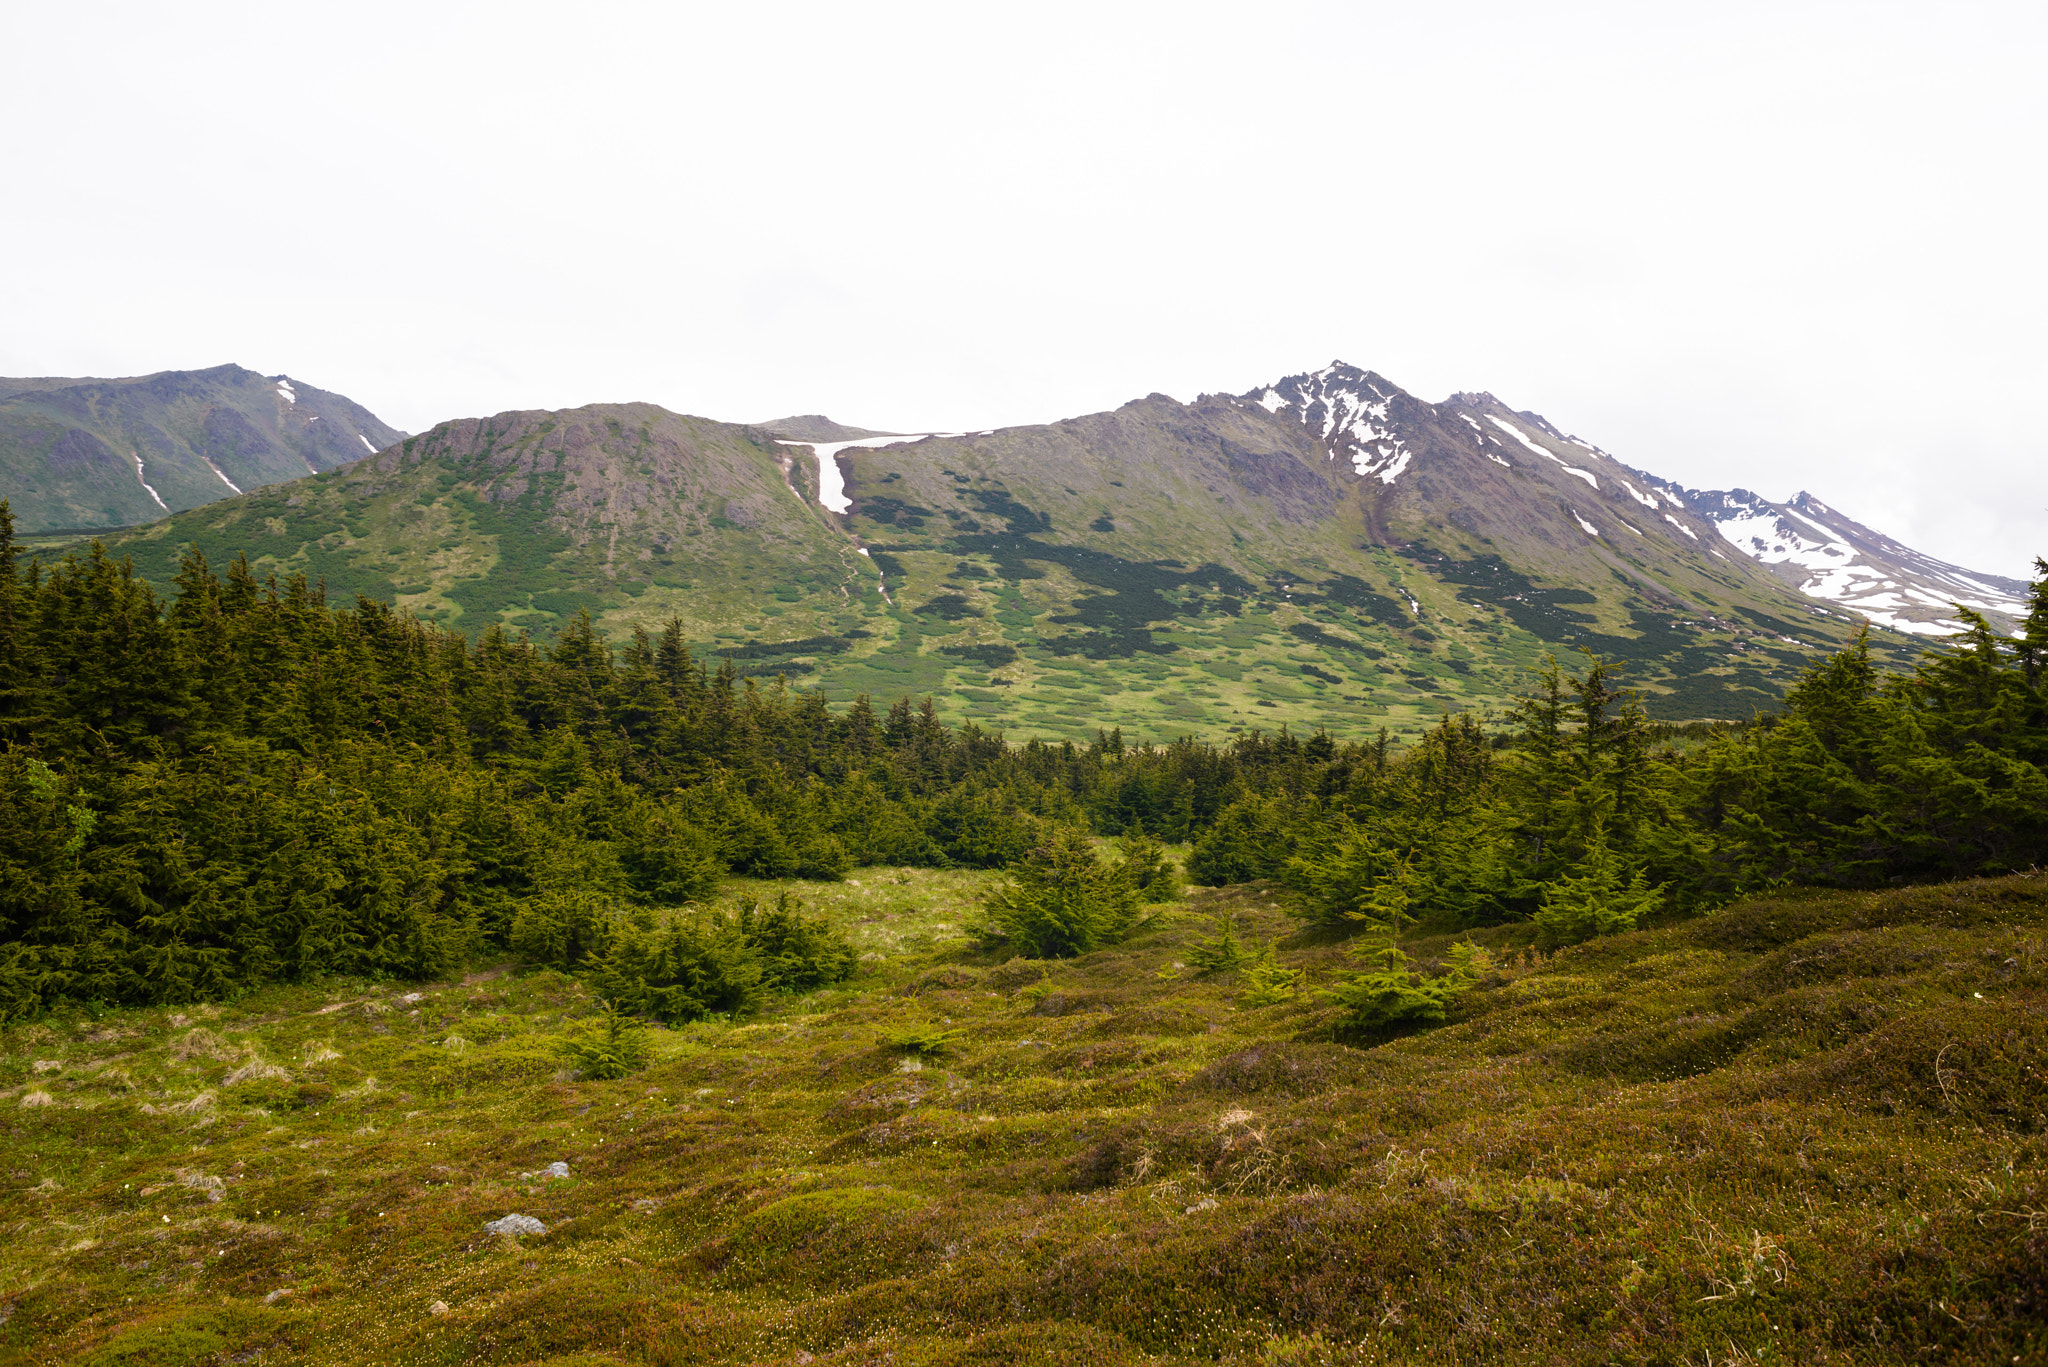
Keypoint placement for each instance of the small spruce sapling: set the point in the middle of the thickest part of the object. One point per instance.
(1266, 983)
(1218, 953)
(1062, 901)
(1148, 867)
(1598, 897)
(925, 1041)
(1390, 991)
(609, 1046)
(1348, 876)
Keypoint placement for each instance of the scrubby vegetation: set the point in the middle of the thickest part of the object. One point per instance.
(1804, 1128)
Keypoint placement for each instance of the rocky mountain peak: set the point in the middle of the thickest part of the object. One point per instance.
(1355, 413)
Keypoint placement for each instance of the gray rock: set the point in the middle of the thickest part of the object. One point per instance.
(516, 1224)
(555, 1169)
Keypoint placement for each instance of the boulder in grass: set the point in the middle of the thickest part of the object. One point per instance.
(514, 1225)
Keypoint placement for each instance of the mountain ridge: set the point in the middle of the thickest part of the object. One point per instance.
(1326, 551)
(95, 452)
(1841, 561)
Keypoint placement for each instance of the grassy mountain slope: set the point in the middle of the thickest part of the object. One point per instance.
(1807, 1129)
(106, 453)
(1232, 560)
(526, 518)
(1325, 552)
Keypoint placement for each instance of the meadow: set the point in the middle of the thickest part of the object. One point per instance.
(1803, 1128)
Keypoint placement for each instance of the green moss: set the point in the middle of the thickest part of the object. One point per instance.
(1789, 1126)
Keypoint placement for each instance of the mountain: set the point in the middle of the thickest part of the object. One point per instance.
(105, 453)
(1828, 555)
(1327, 551)
(809, 427)
(1328, 548)
(525, 518)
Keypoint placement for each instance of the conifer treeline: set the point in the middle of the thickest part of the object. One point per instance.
(1584, 825)
(242, 783)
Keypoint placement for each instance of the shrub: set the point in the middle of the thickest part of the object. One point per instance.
(796, 953)
(1346, 877)
(924, 1041)
(561, 929)
(1062, 900)
(668, 861)
(1390, 993)
(691, 968)
(1266, 983)
(609, 1046)
(1594, 899)
(1245, 843)
(1218, 953)
(1148, 866)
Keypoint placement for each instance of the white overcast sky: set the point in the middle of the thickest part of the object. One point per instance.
(1778, 245)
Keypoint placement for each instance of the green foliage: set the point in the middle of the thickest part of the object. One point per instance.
(1062, 900)
(1249, 841)
(1389, 992)
(1218, 953)
(693, 967)
(1600, 896)
(925, 1041)
(1345, 876)
(200, 1337)
(1149, 867)
(1266, 982)
(797, 953)
(561, 929)
(609, 1046)
(243, 784)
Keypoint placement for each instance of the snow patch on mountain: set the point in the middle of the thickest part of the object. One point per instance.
(831, 480)
(1378, 430)
(1842, 562)
(1647, 500)
(217, 474)
(1348, 408)
(144, 482)
(1523, 437)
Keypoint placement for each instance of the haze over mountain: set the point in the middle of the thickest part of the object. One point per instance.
(82, 453)
(1325, 550)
